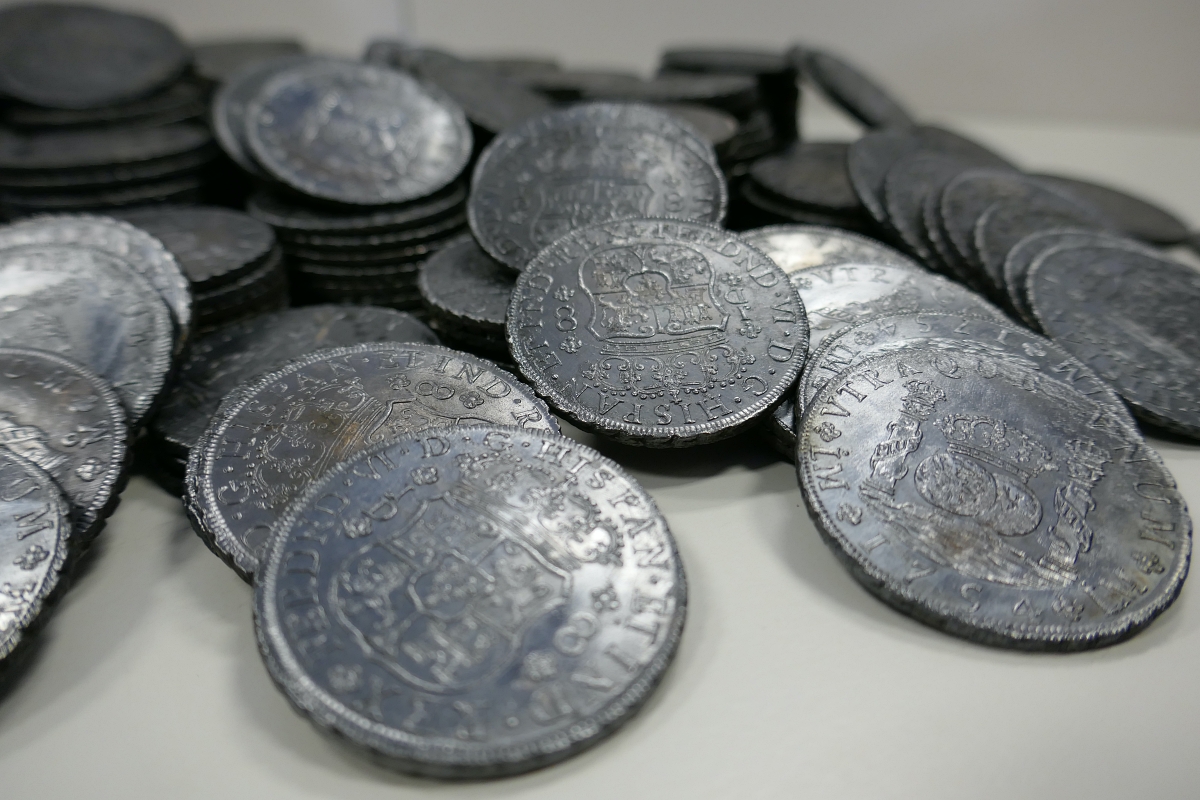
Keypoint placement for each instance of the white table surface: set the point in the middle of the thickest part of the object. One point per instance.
(791, 681)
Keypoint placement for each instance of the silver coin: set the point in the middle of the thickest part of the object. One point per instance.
(467, 288)
(660, 333)
(66, 420)
(35, 531)
(136, 247)
(854, 92)
(479, 601)
(967, 335)
(233, 98)
(219, 60)
(236, 353)
(1127, 313)
(1022, 255)
(589, 164)
(94, 308)
(993, 506)
(274, 436)
(799, 247)
(353, 133)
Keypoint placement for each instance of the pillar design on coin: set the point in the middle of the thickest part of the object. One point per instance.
(274, 436)
(1011, 511)
(657, 332)
(471, 602)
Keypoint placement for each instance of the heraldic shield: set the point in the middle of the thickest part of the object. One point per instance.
(444, 612)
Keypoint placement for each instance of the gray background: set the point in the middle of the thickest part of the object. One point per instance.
(1111, 61)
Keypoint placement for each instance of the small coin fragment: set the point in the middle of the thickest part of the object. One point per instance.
(516, 592)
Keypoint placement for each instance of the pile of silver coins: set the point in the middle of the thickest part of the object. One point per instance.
(960, 358)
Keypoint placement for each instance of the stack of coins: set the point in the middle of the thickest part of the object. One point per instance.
(806, 184)
(355, 218)
(231, 260)
(103, 112)
(466, 294)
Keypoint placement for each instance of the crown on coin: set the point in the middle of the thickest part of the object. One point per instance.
(921, 399)
(992, 441)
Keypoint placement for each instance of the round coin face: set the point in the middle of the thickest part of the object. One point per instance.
(1022, 255)
(589, 164)
(140, 250)
(799, 247)
(274, 436)
(232, 99)
(477, 602)
(657, 332)
(353, 133)
(968, 336)
(464, 285)
(810, 174)
(991, 505)
(68, 422)
(1126, 313)
(94, 308)
(233, 354)
(35, 531)
(75, 56)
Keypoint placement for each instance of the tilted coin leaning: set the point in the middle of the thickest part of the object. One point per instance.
(274, 436)
(657, 332)
(1008, 510)
(471, 602)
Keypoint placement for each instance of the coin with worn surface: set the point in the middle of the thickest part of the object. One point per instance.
(588, 164)
(35, 531)
(465, 286)
(140, 250)
(969, 336)
(288, 218)
(909, 182)
(858, 95)
(837, 296)
(810, 174)
(99, 147)
(799, 247)
(75, 56)
(274, 436)
(213, 245)
(994, 506)
(478, 602)
(1133, 215)
(1128, 314)
(68, 421)
(659, 333)
(491, 101)
(92, 307)
(233, 98)
(357, 134)
(231, 355)
(182, 100)
(1022, 255)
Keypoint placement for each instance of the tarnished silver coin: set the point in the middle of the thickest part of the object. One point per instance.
(75, 56)
(274, 436)
(94, 308)
(472, 602)
(290, 219)
(465, 287)
(1133, 215)
(845, 85)
(1022, 255)
(840, 295)
(100, 148)
(660, 333)
(233, 98)
(233, 354)
(35, 532)
(1008, 510)
(589, 164)
(358, 134)
(799, 247)
(1126, 313)
(968, 336)
(68, 421)
(136, 247)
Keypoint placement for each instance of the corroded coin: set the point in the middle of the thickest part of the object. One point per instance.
(68, 421)
(234, 354)
(76, 56)
(810, 175)
(477, 601)
(464, 286)
(589, 164)
(851, 90)
(276, 435)
(798, 247)
(94, 308)
(840, 295)
(1022, 255)
(1128, 314)
(358, 134)
(233, 98)
(99, 147)
(136, 247)
(967, 335)
(35, 531)
(660, 333)
(991, 505)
